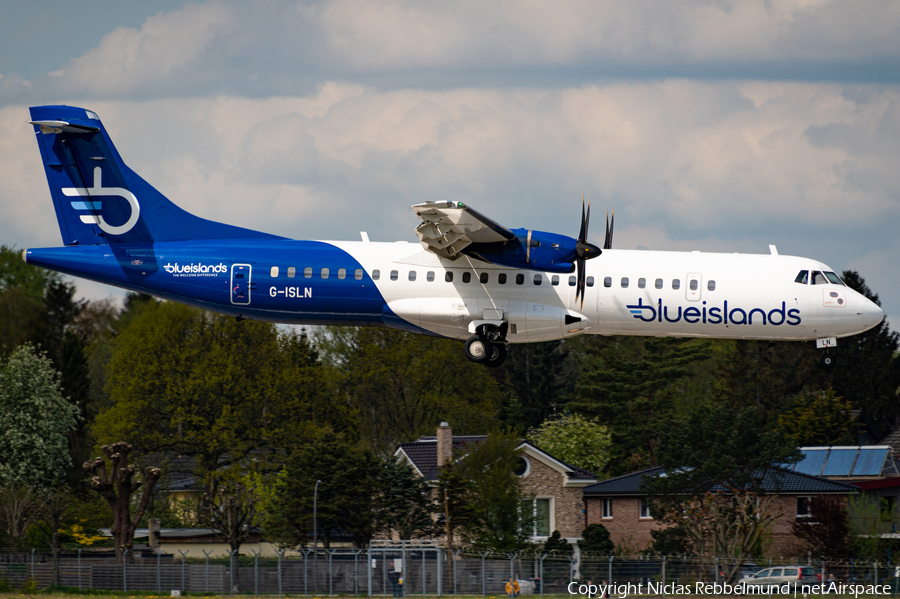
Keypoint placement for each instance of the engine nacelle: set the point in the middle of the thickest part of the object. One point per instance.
(536, 250)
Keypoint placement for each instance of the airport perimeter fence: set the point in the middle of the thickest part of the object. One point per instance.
(424, 571)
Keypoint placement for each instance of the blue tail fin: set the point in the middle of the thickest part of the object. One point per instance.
(98, 199)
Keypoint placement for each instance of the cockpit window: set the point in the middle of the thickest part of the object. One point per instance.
(834, 278)
(803, 277)
(818, 278)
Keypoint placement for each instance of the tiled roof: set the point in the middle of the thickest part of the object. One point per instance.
(893, 439)
(423, 454)
(775, 480)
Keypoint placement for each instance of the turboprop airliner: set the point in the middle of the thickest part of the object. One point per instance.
(468, 278)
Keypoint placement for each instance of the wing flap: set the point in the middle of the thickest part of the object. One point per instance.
(447, 228)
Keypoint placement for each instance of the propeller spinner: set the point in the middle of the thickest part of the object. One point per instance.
(586, 251)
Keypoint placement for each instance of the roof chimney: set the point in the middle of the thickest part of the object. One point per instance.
(444, 444)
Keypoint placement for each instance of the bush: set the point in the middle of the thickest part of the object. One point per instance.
(595, 538)
(558, 544)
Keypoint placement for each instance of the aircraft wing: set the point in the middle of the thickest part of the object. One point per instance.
(447, 228)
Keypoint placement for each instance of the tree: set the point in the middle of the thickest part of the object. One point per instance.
(53, 506)
(230, 507)
(595, 538)
(183, 381)
(499, 514)
(557, 545)
(116, 486)
(673, 540)
(576, 440)
(715, 461)
(344, 506)
(867, 371)
(535, 380)
(827, 530)
(391, 382)
(819, 418)
(625, 386)
(34, 421)
(401, 502)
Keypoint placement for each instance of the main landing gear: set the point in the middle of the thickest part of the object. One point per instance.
(487, 346)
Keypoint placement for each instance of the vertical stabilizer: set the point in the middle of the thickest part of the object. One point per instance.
(98, 199)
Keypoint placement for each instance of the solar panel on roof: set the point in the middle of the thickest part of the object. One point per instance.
(812, 461)
(870, 461)
(840, 462)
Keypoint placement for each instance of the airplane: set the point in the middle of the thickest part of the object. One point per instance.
(470, 278)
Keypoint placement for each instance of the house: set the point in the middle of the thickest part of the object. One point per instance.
(872, 468)
(555, 485)
(620, 505)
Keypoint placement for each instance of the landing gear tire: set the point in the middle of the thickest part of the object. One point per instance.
(498, 356)
(478, 349)
(828, 360)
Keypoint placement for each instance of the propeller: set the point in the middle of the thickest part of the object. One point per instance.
(585, 251)
(607, 243)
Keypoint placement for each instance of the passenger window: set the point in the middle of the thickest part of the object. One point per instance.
(520, 279)
(448, 277)
(624, 282)
(357, 274)
(325, 272)
(834, 278)
(537, 279)
(467, 276)
(554, 280)
(501, 278)
(291, 272)
(412, 275)
(642, 282)
(694, 284)
(376, 274)
(818, 278)
(607, 281)
(307, 273)
(342, 273)
(273, 272)
(711, 285)
(572, 281)
(676, 284)
(395, 275)
(802, 277)
(659, 283)
(590, 281)
(483, 278)
(429, 276)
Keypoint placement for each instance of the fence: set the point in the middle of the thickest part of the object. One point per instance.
(425, 571)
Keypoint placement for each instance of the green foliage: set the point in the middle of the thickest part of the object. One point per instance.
(819, 418)
(29, 586)
(344, 494)
(627, 385)
(210, 387)
(717, 445)
(401, 502)
(14, 272)
(672, 540)
(869, 520)
(34, 421)
(536, 379)
(867, 372)
(595, 538)
(496, 517)
(556, 544)
(576, 440)
(401, 384)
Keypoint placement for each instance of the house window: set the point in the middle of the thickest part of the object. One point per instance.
(523, 466)
(606, 508)
(645, 508)
(804, 507)
(541, 512)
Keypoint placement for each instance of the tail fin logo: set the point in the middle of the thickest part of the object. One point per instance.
(94, 206)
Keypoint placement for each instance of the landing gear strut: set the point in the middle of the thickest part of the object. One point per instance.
(487, 346)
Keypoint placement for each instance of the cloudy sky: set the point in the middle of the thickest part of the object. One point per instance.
(714, 126)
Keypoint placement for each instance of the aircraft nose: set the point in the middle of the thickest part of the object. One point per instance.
(872, 314)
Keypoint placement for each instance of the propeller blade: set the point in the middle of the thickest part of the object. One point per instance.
(579, 285)
(582, 232)
(607, 243)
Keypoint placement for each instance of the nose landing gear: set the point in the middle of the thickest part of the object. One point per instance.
(828, 359)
